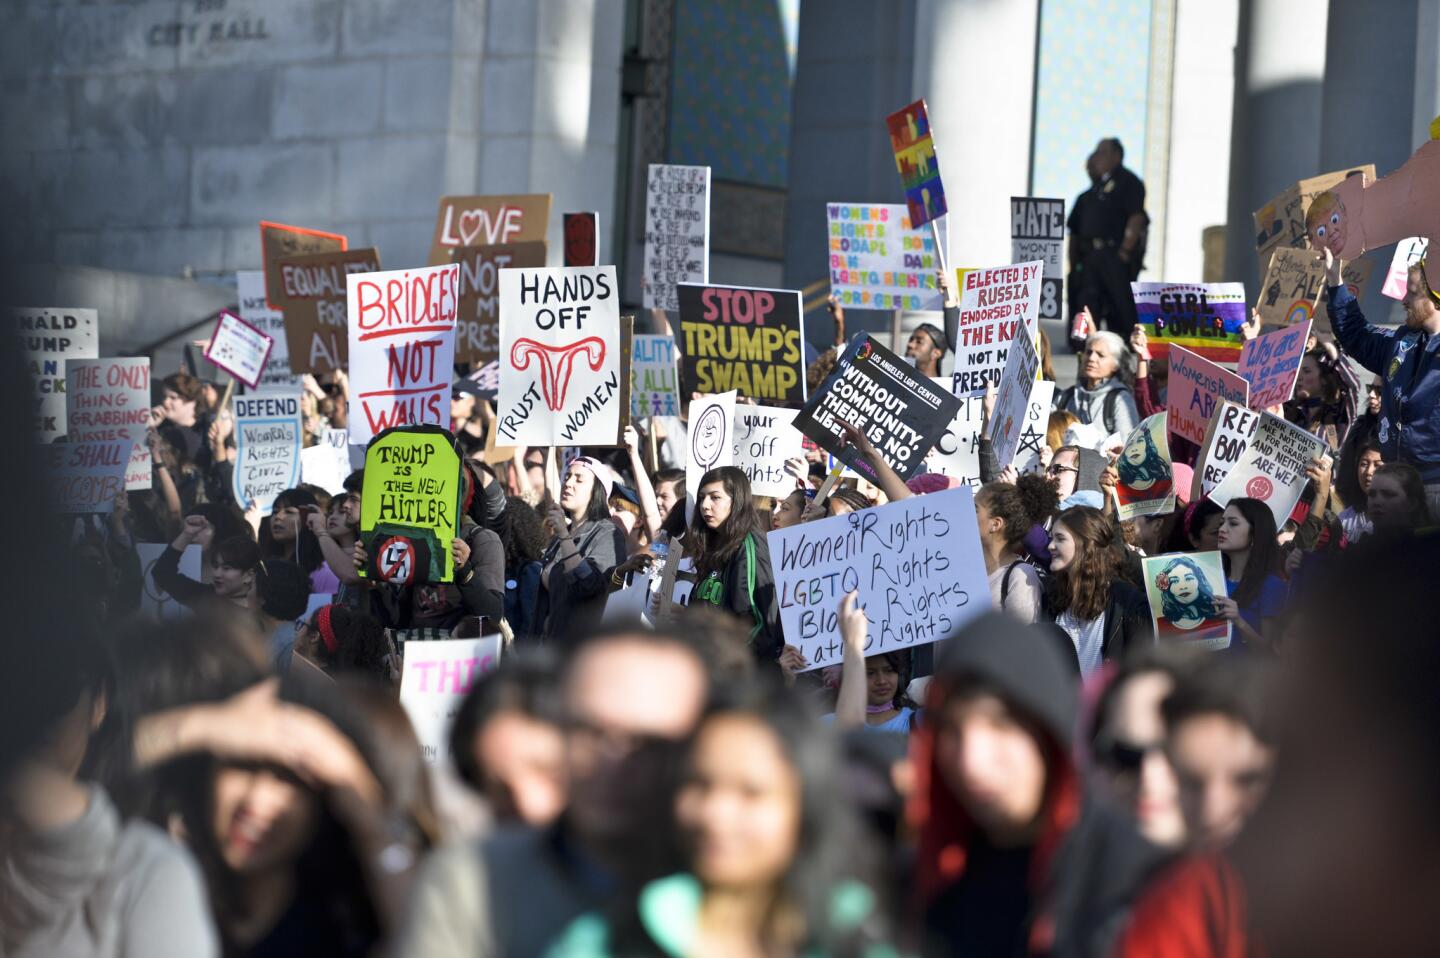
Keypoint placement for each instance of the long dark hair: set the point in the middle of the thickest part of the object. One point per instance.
(306, 553)
(712, 549)
(1264, 553)
(1083, 587)
(524, 537)
(1347, 474)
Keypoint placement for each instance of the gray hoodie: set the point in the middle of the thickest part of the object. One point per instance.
(101, 887)
(1089, 405)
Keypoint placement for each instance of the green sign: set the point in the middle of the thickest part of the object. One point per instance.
(410, 505)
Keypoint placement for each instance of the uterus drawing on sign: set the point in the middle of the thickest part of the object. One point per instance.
(709, 437)
(557, 364)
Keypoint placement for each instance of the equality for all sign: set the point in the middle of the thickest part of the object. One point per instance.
(1291, 291)
(312, 291)
(109, 399)
(488, 221)
(1205, 318)
(764, 438)
(916, 564)
(877, 392)
(677, 232)
(1272, 467)
(477, 333)
(748, 340)
(878, 260)
(1012, 402)
(268, 437)
(84, 477)
(1270, 364)
(410, 512)
(48, 337)
(996, 304)
(435, 680)
(1195, 390)
(250, 291)
(560, 361)
(279, 241)
(654, 387)
(402, 347)
(1037, 232)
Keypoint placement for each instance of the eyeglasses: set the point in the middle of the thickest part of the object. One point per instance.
(1055, 469)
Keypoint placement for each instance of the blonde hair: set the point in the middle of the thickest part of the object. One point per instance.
(1321, 207)
(1060, 421)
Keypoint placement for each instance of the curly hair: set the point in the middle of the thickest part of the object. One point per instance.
(822, 367)
(524, 536)
(1083, 587)
(1021, 505)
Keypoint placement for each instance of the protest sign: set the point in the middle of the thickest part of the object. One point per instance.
(268, 437)
(677, 232)
(410, 512)
(878, 260)
(1281, 222)
(1146, 486)
(1360, 213)
(327, 464)
(1408, 252)
(48, 337)
(436, 678)
(477, 332)
(995, 305)
(712, 420)
(654, 390)
(250, 291)
(764, 438)
(1012, 402)
(155, 602)
(488, 221)
(85, 476)
(877, 392)
(1037, 424)
(560, 357)
(957, 452)
(1270, 363)
(110, 399)
(1205, 318)
(402, 347)
(1225, 441)
(914, 150)
(582, 239)
(748, 340)
(1037, 232)
(278, 241)
(1294, 281)
(1182, 589)
(239, 348)
(916, 564)
(1272, 467)
(312, 297)
(1195, 390)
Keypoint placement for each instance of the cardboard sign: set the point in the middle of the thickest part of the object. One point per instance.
(1037, 232)
(1272, 468)
(878, 260)
(1205, 318)
(109, 399)
(268, 437)
(1037, 424)
(1293, 281)
(155, 602)
(1012, 402)
(712, 421)
(1182, 588)
(902, 412)
(477, 334)
(410, 512)
(957, 452)
(1195, 390)
(239, 348)
(582, 239)
(278, 241)
(402, 347)
(1225, 441)
(1270, 363)
(1281, 222)
(49, 336)
(996, 304)
(1147, 484)
(1352, 217)
(435, 679)
(250, 291)
(312, 297)
(1408, 252)
(764, 438)
(914, 150)
(917, 564)
(677, 232)
(488, 221)
(560, 357)
(654, 380)
(748, 340)
(84, 476)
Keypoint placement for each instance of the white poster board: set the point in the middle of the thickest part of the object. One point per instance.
(763, 440)
(957, 453)
(1012, 401)
(677, 232)
(434, 681)
(268, 437)
(239, 349)
(1037, 424)
(84, 476)
(712, 420)
(48, 337)
(1037, 232)
(110, 399)
(1272, 467)
(1229, 434)
(878, 260)
(995, 304)
(250, 291)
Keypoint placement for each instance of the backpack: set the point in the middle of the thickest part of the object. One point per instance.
(713, 591)
(1042, 574)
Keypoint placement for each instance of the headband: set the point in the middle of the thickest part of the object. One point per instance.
(936, 334)
(326, 629)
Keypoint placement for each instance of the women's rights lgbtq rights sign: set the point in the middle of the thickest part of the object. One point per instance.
(995, 303)
(916, 563)
(560, 362)
(402, 347)
(878, 260)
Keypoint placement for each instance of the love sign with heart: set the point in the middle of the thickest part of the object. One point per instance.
(488, 221)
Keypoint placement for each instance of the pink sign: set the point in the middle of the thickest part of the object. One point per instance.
(1270, 363)
(239, 348)
(1196, 387)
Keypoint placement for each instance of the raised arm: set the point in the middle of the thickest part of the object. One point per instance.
(649, 508)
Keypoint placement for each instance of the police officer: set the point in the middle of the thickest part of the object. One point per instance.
(1107, 239)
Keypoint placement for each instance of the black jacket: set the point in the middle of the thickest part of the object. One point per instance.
(1127, 620)
(769, 640)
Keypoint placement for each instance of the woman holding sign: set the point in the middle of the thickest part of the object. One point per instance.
(1247, 540)
(732, 560)
(575, 565)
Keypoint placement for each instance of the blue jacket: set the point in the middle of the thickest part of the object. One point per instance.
(1409, 429)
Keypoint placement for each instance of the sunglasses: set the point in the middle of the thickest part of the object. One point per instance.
(1055, 469)
(1124, 757)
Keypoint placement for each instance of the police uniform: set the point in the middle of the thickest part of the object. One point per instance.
(1101, 280)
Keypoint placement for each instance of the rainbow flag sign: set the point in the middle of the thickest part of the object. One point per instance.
(1205, 318)
(915, 159)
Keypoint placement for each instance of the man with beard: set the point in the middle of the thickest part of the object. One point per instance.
(1404, 359)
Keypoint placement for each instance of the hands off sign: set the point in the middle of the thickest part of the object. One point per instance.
(268, 439)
